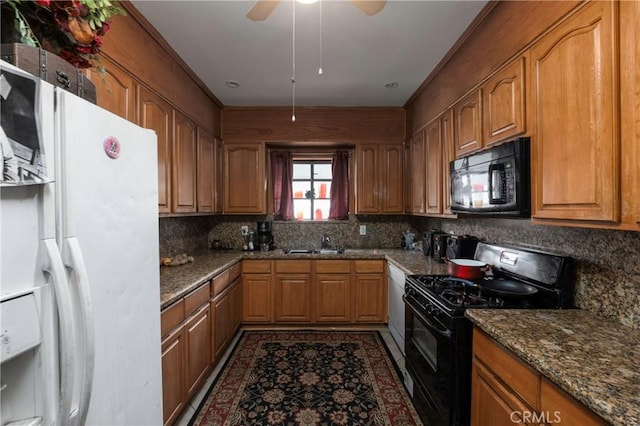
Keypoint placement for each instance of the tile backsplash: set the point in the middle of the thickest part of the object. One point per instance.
(607, 262)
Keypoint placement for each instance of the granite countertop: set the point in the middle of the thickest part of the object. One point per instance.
(177, 281)
(594, 359)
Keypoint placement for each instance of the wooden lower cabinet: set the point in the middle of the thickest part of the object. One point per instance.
(293, 298)
(506, 391)
(198, 344)
(174, 395)
(370, 298)
(221, 306)
(256, 298)
(332, 298)
(186, 350)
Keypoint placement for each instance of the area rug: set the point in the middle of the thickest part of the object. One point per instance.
(308, 378)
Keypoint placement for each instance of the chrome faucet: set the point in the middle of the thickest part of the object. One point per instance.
(324, 241)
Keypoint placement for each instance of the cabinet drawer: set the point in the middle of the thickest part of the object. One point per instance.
(234, 271)
(333, 266)
(220, 282)
(509, 369)
(171, 317)
(256, 266)
(293, 266)
(196, 298)
(369, 266)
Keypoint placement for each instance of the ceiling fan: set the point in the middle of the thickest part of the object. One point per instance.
(263, 8)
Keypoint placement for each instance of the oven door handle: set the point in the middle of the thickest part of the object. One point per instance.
(442, 331)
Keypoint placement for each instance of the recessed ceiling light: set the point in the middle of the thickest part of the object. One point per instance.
(306, 1)
(232, 83)
(391, 85)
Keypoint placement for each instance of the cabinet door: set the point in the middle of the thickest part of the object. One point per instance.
(433, 179)
(206, 171)
(198, 338)
(332, 297)
(174, 395)
(185, 139)
(408, 184)
(245, 185)
(446, 137)
(368, 179)
(575, 138)
(115, 90)
(468, 123)
(504, 109)
(219, 177)
(293, 298)
(391, 178)
(561, 408)
(235, 294)
(222, 317)
(369, 298)
(156, 114)
(418, 173)
(492, 403)
(256, 298)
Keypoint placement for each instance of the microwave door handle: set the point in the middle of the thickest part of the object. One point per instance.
(495, 168)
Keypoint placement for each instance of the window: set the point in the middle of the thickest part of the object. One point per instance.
(311, 189)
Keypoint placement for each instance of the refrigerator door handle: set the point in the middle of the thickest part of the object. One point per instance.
(86, 321)
(55, 268)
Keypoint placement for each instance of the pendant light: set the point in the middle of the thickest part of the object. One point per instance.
(320, 69)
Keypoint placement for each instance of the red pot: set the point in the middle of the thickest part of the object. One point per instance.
(467, 269)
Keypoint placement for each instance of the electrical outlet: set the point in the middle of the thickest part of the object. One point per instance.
(363, 229)
(245, 230)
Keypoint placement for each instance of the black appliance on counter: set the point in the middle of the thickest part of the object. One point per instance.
(439, 245)
(438, 341)
(265, 235)
(461, 246)
(493, 182)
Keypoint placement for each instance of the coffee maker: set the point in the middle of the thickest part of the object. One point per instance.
(265, 234)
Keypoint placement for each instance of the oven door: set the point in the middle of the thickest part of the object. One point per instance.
(437, 358)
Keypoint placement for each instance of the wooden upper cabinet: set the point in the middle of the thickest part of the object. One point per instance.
(206, 171)
(468, 123)
(218, 177)
(503, 109)
(156, 114)
(379, 178)
(245, 184)
(115, 90)
(367, 179)
(433, 182)
(184, 164)
(408, 185)
(446, 139)
(392, 178)
(417, 176)
(574, 103)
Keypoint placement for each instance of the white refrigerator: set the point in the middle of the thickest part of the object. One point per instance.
(79, 275)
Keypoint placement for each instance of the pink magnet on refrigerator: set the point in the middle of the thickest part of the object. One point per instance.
(112, 147)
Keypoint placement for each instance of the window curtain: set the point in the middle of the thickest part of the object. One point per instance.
(339, 207)
(282, 178)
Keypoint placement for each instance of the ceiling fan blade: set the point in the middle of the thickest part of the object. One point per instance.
(369, 7)
(262, 9)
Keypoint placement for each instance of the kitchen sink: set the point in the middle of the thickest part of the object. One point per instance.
(314, 251)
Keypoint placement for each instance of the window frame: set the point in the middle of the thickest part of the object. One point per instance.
(324, 160)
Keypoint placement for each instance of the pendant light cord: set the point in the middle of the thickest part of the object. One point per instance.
(320, 69)
(293, 74)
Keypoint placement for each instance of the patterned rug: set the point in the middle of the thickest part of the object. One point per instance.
(308, 378)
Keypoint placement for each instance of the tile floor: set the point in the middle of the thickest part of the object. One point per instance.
(189, 412)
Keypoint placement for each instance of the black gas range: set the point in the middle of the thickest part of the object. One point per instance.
(438, 337)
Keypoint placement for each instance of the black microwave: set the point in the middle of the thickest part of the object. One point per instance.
(493, 182)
